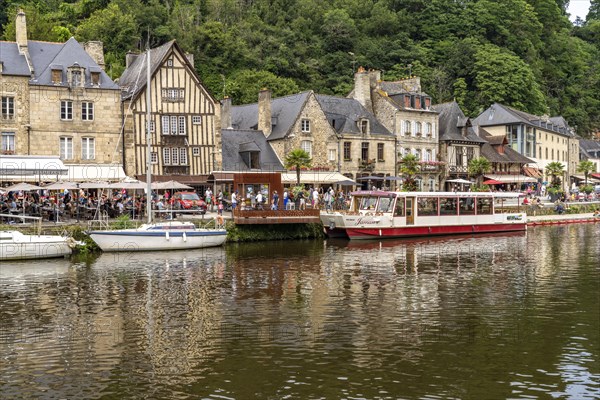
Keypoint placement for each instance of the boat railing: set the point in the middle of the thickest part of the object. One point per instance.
(12, 217)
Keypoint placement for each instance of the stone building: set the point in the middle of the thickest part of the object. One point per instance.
(405, 110)
(339, 133)
(539, 138)
(182, 117)
(57, 100)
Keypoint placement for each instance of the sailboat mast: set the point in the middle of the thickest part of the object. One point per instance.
(148, 142)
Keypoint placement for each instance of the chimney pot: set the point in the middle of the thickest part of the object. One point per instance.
(264, 112)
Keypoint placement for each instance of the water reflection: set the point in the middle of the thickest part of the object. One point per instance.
(514, 314)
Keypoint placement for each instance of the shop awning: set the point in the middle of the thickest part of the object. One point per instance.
(31, 168)
(95, 172)
(314, 177)
(511, 178)
(532, 172)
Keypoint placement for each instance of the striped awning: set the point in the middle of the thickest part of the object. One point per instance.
(511, 178)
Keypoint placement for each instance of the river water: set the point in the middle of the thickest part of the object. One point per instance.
(473, 317)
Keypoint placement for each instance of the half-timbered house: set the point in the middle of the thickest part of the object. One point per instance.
(182, 117)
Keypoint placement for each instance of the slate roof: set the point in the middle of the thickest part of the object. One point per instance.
(284, 113)
(45, 56)
(13, 63)
(510, 156)
(451, 122)
(346, 112)
(589, 148)
(234, 141)
(133, 79)
(499, 114)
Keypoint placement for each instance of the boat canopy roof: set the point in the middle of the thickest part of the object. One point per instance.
(381, 193)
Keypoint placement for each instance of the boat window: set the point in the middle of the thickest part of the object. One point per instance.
(427, 206)
(466, 206)
(484, 205)
(448, 206)
(399, 211)
(368, 203)
(385, 204)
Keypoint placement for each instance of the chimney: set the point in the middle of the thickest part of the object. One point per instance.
(190, 58)
(21, 30)
(226, 113)
(362, 88)
(264, 112)
(95, 49)
(374, 78)
(130, 57)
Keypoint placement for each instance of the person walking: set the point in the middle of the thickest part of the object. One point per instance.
(275, 200)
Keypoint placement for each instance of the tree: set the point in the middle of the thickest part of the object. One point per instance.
(586, 167)
(478, 167)
(555, 169)
(298, 159)
(409, 167)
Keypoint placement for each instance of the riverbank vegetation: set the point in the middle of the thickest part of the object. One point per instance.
(522, 53)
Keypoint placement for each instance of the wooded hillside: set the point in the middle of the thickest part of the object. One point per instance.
(522, 53)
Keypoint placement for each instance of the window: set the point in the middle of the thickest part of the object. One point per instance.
(428, 129)
(417, 153)
(95, 76)
(427, 206)
(153, 157)
(470, 154)
(306, 145)
(427, 155)
(196, 151)
(66, 148)
(8, 107)
(459, 156)
(418, 128)
(196, 120)
(364, 151)
(76, 77)
(173, 125)
(8, 142)
(305, 126)
(546, 153)
(347, 151)
(170, 62)
(399, 211)
(173, 94)
(385, 204)
(66, 110)
(152, 127)
(88, 150)
(87, 111)
(175, 156)
(448, 206)
(363, 125)
(331, 155)
(484, 205)
(466, 206)
(57, 76)
(380, 155)
(407, 127)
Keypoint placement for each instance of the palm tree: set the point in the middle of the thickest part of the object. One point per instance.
(586, 167)
(555, 169)
(409, 167)
(478, 167)
(297, 159)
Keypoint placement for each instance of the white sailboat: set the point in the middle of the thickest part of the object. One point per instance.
(15, 245)
(168, 235)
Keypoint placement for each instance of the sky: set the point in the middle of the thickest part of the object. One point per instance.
(578, 8)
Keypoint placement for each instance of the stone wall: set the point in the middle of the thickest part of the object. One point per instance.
(18, 88)
(47, 127)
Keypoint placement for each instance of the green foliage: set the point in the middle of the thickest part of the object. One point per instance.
(297, 159)
(522, 53)
(409, 167)
(586, 167)
(480, 188)
(254, 233)
(123, 222)
(555, 169)
(478, 167)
